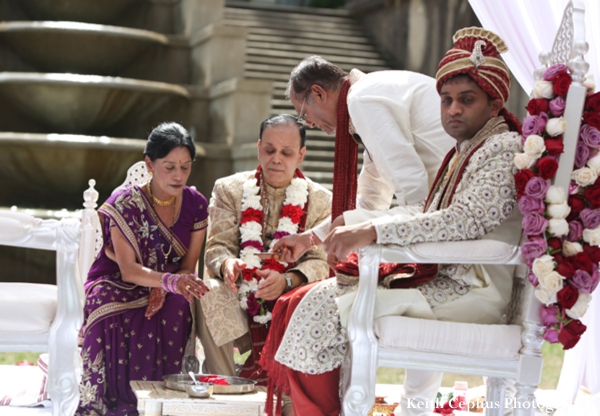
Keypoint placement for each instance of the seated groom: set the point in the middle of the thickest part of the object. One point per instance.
(473, 196)
(248, 213)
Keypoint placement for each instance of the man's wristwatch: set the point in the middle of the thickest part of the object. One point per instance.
(288, 282)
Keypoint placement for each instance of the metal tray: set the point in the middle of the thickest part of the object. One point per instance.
(237, 385)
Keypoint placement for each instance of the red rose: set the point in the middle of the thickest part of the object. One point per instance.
(593, 252)
(559, 258)
(562, 83)
(591, 118)
(547, 167)
(581, 261)
(251, 214)
(521, 179)
(536, 106)
(570, 334)
(592, 194)
(567, 296)
(294, 212)
(565, 269)
(592, 102)
(248, 274)
(554, 146)
(272, 264)
(555, 243)
(577, 204)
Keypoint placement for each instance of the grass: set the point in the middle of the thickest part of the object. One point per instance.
(553, 358)
(11, 358)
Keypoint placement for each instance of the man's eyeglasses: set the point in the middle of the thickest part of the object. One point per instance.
(301, 119)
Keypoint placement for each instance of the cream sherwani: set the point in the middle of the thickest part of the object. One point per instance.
(223, 316)
(396, 114)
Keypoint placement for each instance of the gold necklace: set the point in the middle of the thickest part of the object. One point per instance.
(166, 255)
(156, 200)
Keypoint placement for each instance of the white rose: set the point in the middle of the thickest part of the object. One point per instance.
(534, 146)
(545, 296)
(552, 282)
(559, 211)
(592, 236)
(594, 163)
(543, 266)
(523, 161)
(543, 89)
(558, 227)
(555, 195)
(584, 176)
(556, 126)
(580, 307)
(570, 249)
(589, 82)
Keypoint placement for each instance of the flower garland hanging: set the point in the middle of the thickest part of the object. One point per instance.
(562, 227)
(251, 232)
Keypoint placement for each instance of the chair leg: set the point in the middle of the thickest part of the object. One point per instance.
(495, 396)
(525, 403)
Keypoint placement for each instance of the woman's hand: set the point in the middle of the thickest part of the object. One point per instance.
(271, 286)
(231, 269)
(156, 300)
(191, 287)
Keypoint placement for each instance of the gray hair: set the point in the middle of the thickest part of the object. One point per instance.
(284, 120)
(314, 70)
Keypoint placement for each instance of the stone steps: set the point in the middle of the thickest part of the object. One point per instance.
(278, 40)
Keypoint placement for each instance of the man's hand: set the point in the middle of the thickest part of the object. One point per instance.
(343, 240)
(292, 247)
(338, 222)
(231, 269)
(271, 286)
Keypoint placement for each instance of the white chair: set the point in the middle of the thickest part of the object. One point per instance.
(47, 318)
(500, 352)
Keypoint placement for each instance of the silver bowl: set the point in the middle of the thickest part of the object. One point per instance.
(200, 390)
(237, 385)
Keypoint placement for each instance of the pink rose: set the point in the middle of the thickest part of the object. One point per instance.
(549, 314)
(551, 73)
(534, 124)
(551, 335)
(533, 248)
(537, 187)
(590, 136)
(533, 279)
(557, 106)
(534, 224)
(529, 204)
(585, 282)
(590, 218)
(575, 231)
(582, 154)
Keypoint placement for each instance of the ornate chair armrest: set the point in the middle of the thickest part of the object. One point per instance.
(454, 252)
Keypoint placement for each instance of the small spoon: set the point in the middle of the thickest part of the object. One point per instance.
(191, 373)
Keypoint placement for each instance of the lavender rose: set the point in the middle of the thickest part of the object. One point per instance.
(534, 124)
(590, 218)
(529, 204)
(582, 154)
(553, 71)
(583, 281)
(557, 106)
(549, 314)
(575, 231)
(590, 136)
(551, 335)
(537, 187)
(532, 249)
(533, 278)
(534, 224)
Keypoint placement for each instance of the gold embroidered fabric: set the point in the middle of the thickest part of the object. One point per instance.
(225, 319)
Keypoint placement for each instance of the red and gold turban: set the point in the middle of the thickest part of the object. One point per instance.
(476, 53)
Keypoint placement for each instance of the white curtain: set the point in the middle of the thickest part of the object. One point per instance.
(528, 27)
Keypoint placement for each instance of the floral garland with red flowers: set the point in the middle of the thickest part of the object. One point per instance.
(251, 232)
(562, 227)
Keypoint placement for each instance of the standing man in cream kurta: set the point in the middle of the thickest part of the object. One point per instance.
(281, 149)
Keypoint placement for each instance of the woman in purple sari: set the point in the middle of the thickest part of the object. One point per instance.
(139, 289)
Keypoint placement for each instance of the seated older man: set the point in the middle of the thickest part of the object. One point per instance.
(248, 213)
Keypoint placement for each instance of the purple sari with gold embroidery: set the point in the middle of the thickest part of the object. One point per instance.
(119, 343)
